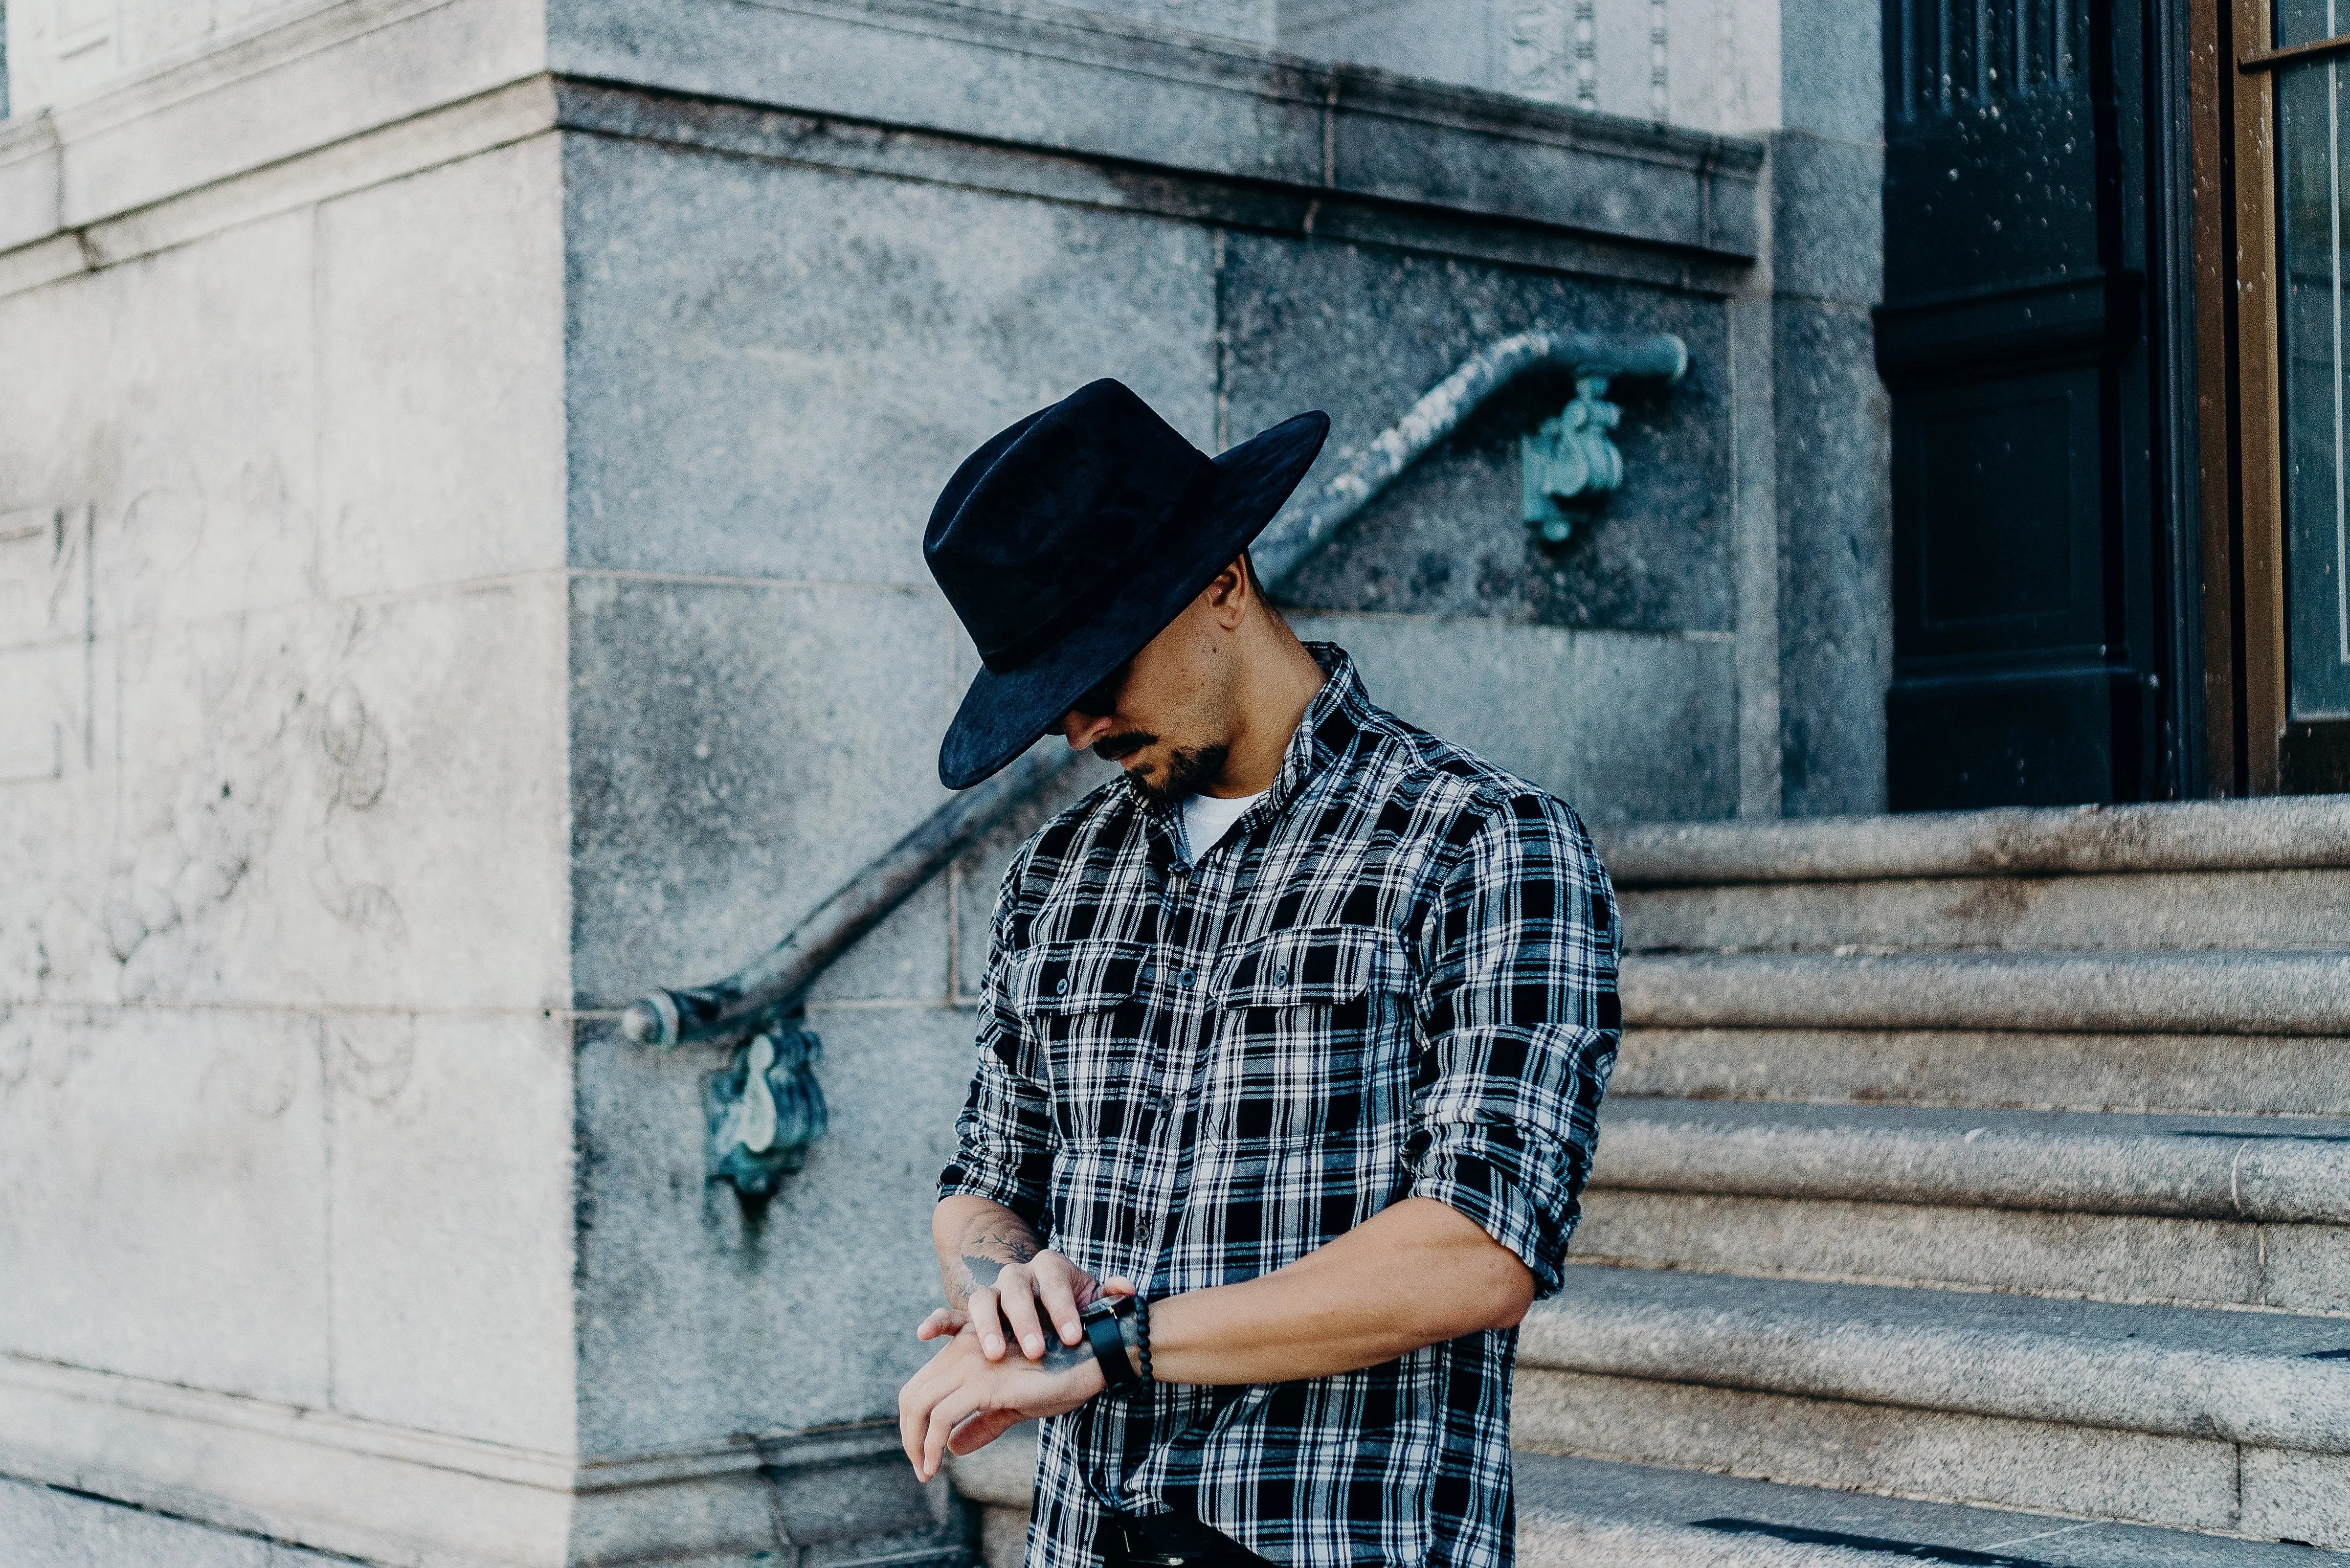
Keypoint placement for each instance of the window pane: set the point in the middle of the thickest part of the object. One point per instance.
(2307, 21)
(2316, 323)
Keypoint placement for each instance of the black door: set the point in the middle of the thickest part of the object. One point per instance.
(2031, 643)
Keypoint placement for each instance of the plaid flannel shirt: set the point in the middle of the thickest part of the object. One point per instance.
(1394, 977)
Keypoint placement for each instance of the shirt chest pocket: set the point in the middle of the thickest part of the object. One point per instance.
(1089, 1007)
(1313, 1037)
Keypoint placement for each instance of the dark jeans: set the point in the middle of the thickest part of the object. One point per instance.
(1169, 1540)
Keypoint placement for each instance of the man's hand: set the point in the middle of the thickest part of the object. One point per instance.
(1045, 1294)
(965, 1399)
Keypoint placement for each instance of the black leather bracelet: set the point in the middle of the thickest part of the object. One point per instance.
(1106, 1336)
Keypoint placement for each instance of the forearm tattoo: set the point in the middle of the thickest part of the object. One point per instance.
(994, 1239)
(979, 1271)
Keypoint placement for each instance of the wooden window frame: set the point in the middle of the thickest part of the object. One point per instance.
(2253, 741)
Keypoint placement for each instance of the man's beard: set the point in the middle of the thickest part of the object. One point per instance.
(1188, 773)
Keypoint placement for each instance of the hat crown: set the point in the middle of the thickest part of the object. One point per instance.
(1052, 512)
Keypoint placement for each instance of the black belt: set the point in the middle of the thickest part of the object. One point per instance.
(1170, 1540)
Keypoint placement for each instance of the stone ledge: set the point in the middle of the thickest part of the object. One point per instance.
(2056, 992)
(2246, 1377)
(2302, 832)
(964, 94)
(2212, 1168)
(399, 1495)
(1050, 78)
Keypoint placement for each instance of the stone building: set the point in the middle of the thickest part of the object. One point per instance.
(461, 470)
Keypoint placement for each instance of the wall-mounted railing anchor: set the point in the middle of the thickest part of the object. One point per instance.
(1567, 469)
(765, 1108)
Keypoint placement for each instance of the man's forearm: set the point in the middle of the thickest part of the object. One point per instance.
(1413, 1275)
(971, 1234)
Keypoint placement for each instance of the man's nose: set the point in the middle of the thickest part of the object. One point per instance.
(1083, 728)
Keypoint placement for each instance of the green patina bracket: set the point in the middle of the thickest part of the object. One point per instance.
(1567, 469)
(766, 1108)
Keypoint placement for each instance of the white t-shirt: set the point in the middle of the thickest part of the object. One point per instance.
(1207, 818)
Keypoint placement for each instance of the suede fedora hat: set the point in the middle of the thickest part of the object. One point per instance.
(1071, 539)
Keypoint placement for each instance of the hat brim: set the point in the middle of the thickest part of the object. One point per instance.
(1003, 713)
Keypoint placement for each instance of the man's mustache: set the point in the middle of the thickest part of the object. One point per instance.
(1117, 748)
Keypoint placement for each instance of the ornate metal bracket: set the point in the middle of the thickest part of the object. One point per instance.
(765, 1108)
(1567, 469)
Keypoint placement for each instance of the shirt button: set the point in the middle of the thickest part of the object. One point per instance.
(1187, 977)
(1281, 977)
(1148, 971)
(1061, 988)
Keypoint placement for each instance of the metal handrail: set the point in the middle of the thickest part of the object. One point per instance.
(774, 983)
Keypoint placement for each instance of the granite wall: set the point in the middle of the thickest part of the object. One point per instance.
(461, 470)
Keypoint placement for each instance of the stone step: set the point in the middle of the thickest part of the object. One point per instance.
(2046, 1069)
(2126, 992)
(2235, 1211)
(2241, 875)
(2205, 909)
(2295, 833)
(2189, 1418)
(1591, 1514)
(1594, 1513)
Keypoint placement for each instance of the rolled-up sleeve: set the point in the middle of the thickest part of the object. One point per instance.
(1519, 1024)
(1003, 1138)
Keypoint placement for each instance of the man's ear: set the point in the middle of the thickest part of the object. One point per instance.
(1229, 594)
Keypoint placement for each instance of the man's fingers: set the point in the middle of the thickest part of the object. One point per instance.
(1018, 1302)
(945, 1416)
(985, 1306)
(983, 1430)
(942, 1323)
(1055, 1289)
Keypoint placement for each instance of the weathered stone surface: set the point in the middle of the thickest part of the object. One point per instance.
(698, 1317)
(449, 1256)
(1827, 218)
(1048, 77)
(2265, 1379)
(1620, 725)
(739, 751)
(2294, 1171)
(1835, 562)
(441, 311)
(296, 806)
(844, 344)
(41, 1527)
(2182, 1481)
(163, 1196)
(2192, 909)
(2021, 1068)
(2287, 993)
(1447, 538)
(1585, 1513)
(2278, 834)
(2128, 1258)
(1251, 21)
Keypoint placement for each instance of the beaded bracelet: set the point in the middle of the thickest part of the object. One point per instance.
(1142, 1327)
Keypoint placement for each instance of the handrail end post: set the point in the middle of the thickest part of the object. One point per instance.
(652, 1020)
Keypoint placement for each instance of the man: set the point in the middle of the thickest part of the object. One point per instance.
(1291, 1042)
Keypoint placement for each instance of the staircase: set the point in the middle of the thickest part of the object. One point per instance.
(1964, 1164)
(1972, 1190)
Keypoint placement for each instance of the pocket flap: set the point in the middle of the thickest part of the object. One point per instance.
(1310, 964)
(1074, 977)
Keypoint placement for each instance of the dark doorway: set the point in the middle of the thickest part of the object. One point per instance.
(2041, 462)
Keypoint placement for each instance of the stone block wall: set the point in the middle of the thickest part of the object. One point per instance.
(460, 548)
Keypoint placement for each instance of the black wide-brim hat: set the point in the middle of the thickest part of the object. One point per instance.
(1073, 538)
